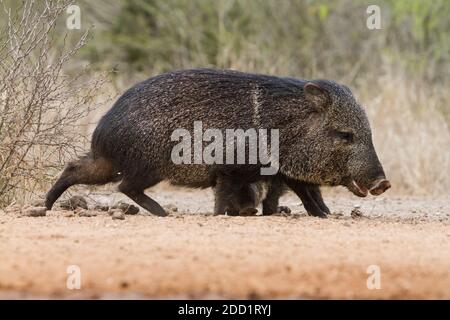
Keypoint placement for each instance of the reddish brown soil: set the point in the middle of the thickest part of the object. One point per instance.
(193, 254)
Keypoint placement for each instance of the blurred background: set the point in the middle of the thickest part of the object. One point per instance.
(400, 73)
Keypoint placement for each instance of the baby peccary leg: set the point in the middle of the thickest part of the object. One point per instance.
(134, 189)
(270, 206)
(310, 196)
(224, 201)
(248, 199)
(270, 203)
(234, 198)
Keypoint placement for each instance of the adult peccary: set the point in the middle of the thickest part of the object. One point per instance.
(325, 138)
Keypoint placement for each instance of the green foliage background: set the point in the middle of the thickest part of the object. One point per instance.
(299, 37)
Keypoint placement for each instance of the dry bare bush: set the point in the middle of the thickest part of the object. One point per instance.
(40, 106)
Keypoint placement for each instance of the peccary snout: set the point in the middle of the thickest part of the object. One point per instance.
(375, 182)
(380, 186)
(377, 187)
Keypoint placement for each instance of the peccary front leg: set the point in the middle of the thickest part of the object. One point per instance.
(311, 198)
(314, 191)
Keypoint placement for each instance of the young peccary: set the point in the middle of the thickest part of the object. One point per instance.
(324, 137)
(236, 197)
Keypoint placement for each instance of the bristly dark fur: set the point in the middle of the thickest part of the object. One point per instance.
(132, 141)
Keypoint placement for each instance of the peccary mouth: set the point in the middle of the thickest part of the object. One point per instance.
(378, 187)
(358, 190)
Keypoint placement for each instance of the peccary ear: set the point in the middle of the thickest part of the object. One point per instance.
(317, 95)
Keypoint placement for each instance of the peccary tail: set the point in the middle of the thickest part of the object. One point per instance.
(86, 170)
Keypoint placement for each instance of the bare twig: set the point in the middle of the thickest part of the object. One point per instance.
(40, 106)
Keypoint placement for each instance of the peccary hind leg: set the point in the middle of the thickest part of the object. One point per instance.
(134, 189)
(86, 170)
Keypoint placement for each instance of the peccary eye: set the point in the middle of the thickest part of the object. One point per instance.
(344, 135)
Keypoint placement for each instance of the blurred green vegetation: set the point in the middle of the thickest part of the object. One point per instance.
(296, 37)
(304, 38)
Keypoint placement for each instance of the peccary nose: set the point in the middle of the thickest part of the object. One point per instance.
(380, 186)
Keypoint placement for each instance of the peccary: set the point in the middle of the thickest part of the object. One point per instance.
(324, 139)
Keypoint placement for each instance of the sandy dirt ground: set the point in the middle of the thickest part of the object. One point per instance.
(193, 254)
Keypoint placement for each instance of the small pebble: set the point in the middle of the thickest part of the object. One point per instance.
(38, 203)
(84, 213)
(118, 215)
(356, 213)
(337, 215)
(101, 207)
(284, 209)
(126, 208)
(171, 207)
(74, 203)
(15, 209)
(35, 212)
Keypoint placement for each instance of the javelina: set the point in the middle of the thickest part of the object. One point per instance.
(325, 138)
